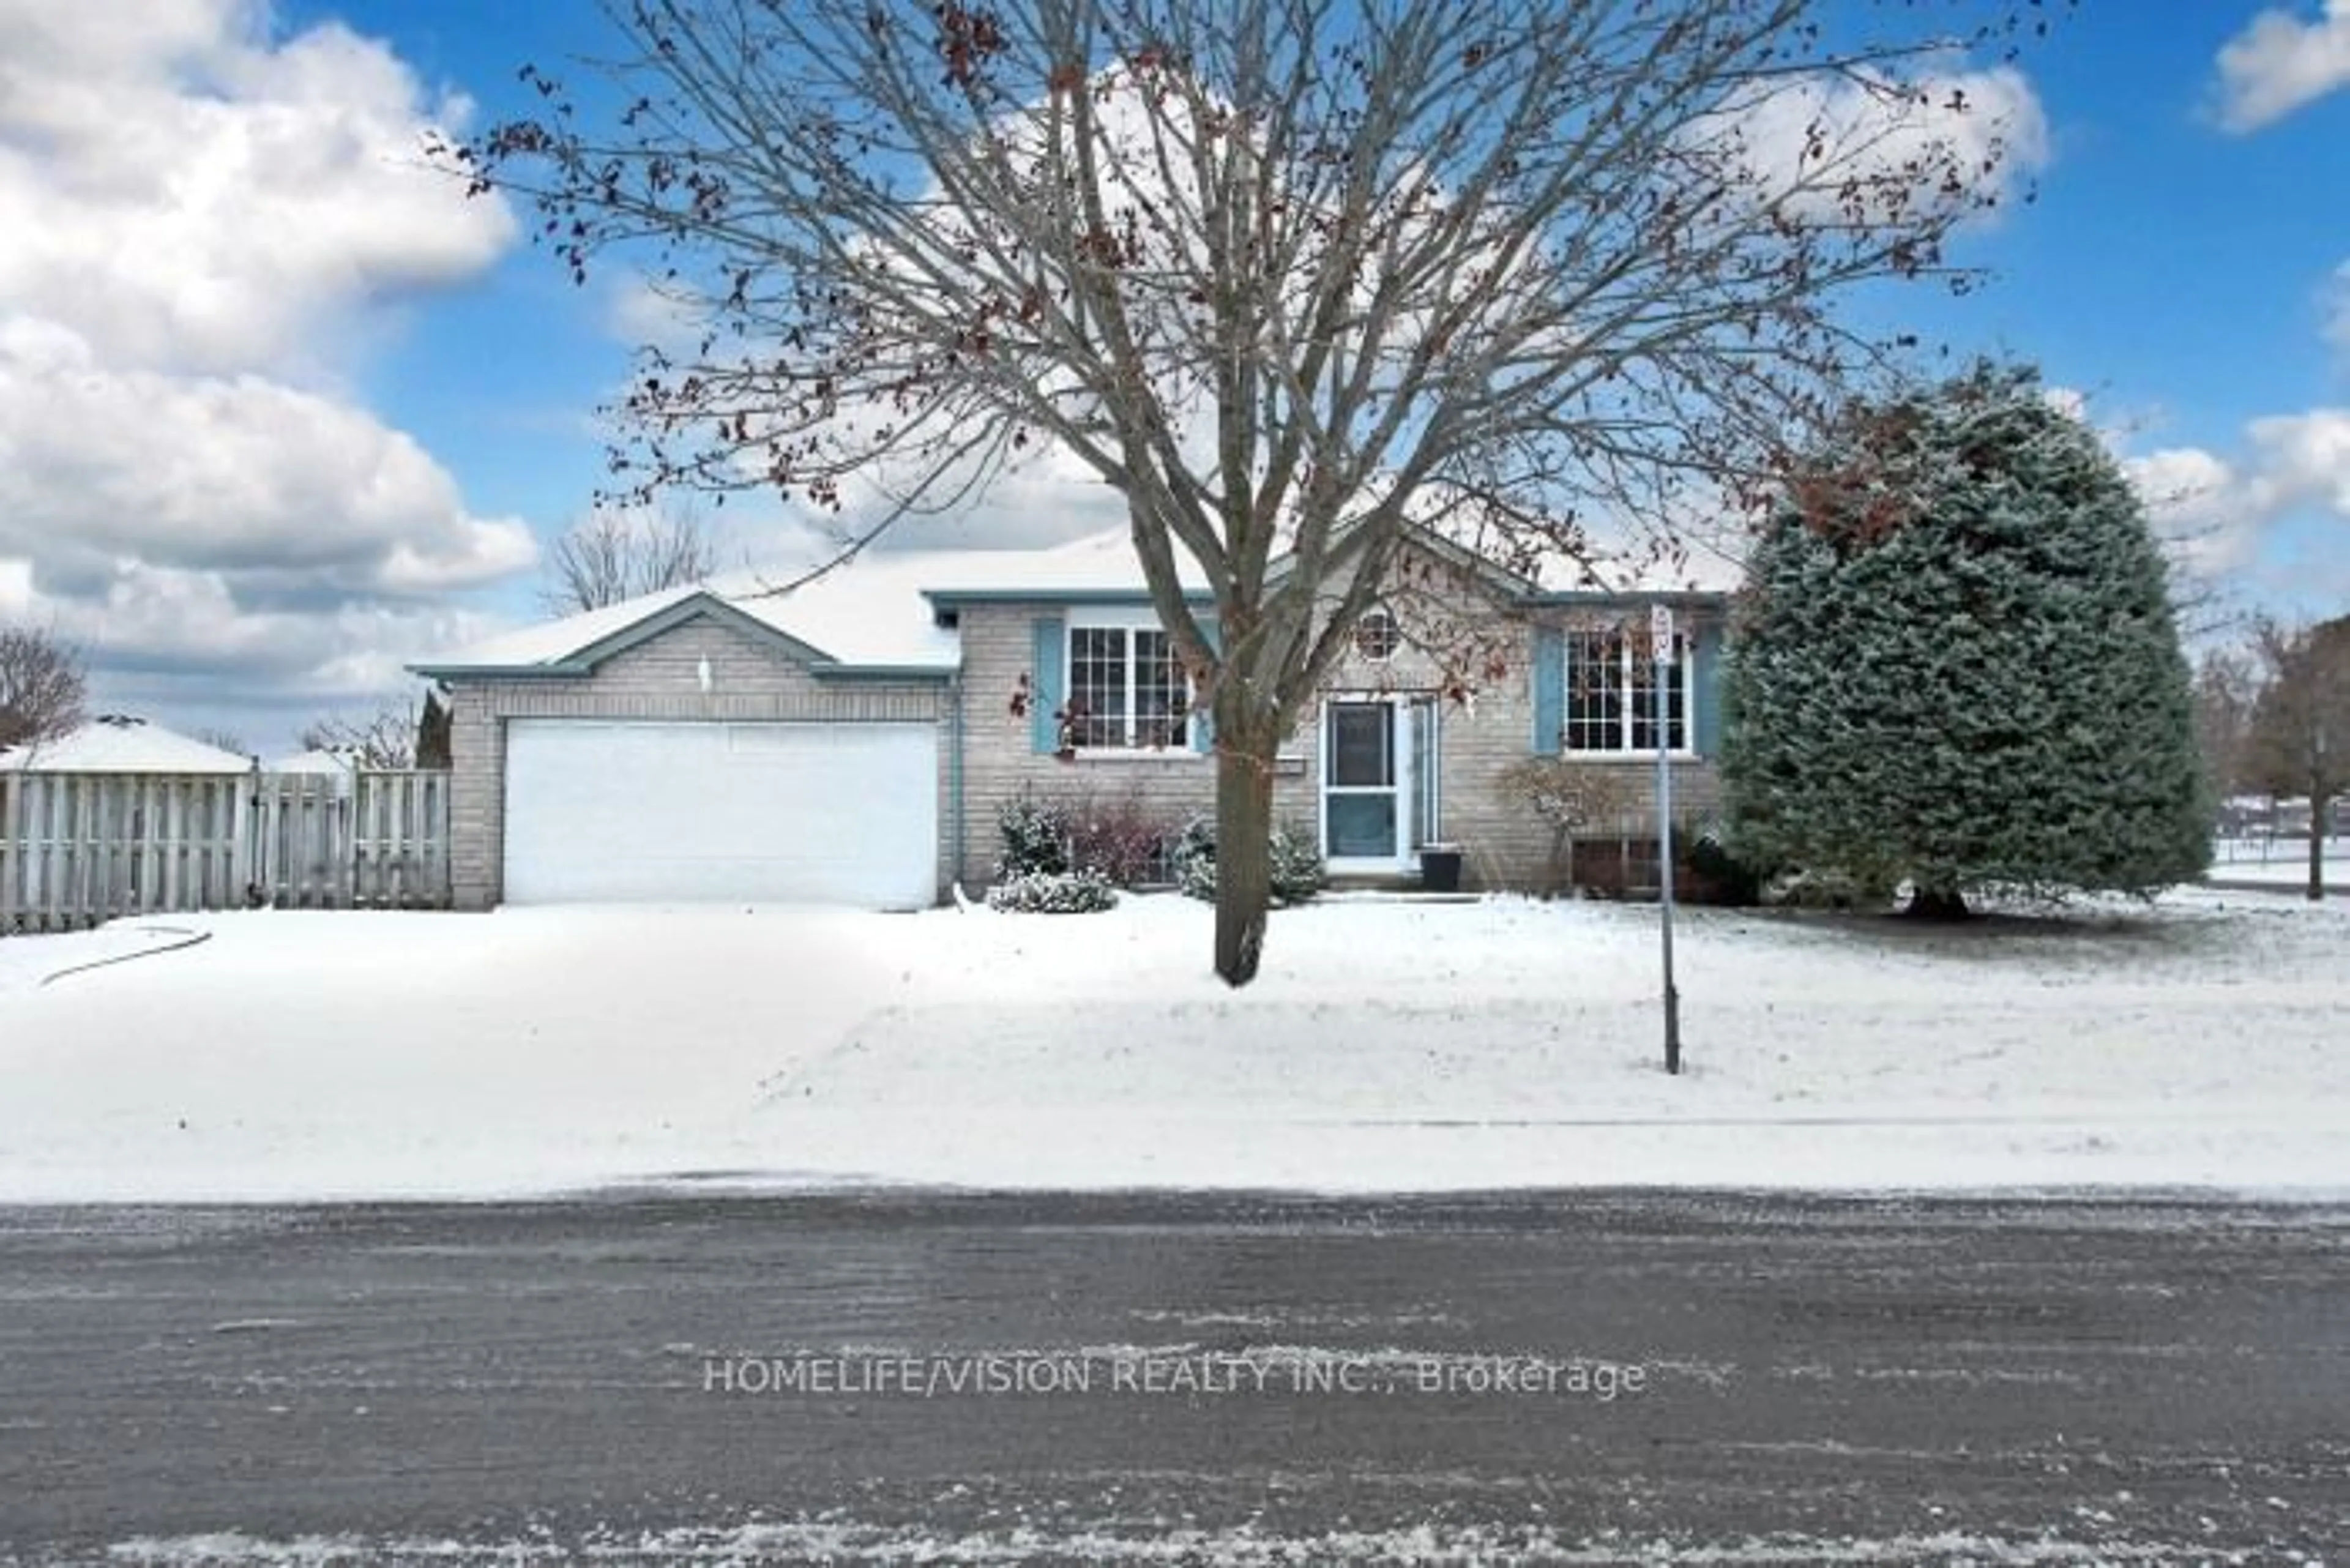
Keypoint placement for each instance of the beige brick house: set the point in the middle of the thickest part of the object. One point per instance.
(853, 740)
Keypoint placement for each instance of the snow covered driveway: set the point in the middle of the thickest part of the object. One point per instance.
(1388, 1046)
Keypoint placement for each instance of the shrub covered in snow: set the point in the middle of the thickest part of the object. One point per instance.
(1958, 665)
(1297, 871)
(1119, 839)
(1035, 838)
(1053, 893)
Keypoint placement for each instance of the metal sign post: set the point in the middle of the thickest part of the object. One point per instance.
(1660, 656)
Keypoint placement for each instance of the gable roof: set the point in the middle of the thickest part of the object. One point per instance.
(866, 614)
(118, 743)
(879, 613)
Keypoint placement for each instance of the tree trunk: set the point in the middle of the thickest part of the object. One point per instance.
(2317, 813)
(1936, 904)
(1243, 852)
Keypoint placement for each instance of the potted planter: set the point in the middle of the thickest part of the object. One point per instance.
(1439, 867)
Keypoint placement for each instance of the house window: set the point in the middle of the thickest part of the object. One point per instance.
(1126, 690)
(1377, 636)
(1611, 693)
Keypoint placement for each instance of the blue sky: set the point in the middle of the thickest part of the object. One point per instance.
(278, 411)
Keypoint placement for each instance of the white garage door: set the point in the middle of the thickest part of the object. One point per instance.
(836, 814)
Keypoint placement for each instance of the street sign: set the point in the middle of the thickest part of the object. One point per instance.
(1660, 633)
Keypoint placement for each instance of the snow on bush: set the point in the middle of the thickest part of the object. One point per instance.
(1119, 839)
(1053, 893)
(1297, 872)
(1035, 840)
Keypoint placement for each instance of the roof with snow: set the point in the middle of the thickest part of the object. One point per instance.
(877, 612)
(119, 744)
(882, 611)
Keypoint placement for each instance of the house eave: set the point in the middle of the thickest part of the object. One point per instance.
(1693, 599)
(951, 599)
(940, 674)
(563, 670)
(573, 669)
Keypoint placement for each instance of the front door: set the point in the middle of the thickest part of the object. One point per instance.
(1367, 815)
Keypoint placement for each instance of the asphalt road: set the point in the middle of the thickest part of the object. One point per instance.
(1589, 1377)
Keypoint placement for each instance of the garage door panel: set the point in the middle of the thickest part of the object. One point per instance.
(601, 810)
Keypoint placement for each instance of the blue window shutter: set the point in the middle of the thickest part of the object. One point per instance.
(1550, 690)
(1204, 722)
(1706, 695)
(1050, 691)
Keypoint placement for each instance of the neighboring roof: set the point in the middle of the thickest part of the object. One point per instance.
(117, 744)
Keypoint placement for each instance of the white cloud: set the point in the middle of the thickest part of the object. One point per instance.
(1804, 142)
(2217, 514)
(2195, 502)
(2335, 302)
(163, 626)
(240, 474)
(2303, 460)
(1049, 497)
(211, 204)
(639, 312)
(2282, 62)
(206, 222)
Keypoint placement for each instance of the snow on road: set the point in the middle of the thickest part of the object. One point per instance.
(1388, 1046)
(833, 1539)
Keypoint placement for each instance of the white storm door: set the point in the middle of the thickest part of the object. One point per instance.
(1366, 769)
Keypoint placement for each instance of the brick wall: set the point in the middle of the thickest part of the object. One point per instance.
(1482, 732)
(1000, 762)
(658, 679)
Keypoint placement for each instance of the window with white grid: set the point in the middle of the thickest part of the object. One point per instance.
(1611, 693)
(1126, 691)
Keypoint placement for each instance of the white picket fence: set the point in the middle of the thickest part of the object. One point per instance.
(77, 849)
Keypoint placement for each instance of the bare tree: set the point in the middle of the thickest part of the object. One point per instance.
(42, 687)
(618, 554)
(1286, 274)
(2226, 692)
(2300, 740)
(387, 738)
(1570, 797)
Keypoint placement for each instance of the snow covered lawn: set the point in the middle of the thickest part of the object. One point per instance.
(1388, 1046)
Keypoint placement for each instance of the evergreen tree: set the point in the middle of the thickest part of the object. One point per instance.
(1957, 663)
(433, 733)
